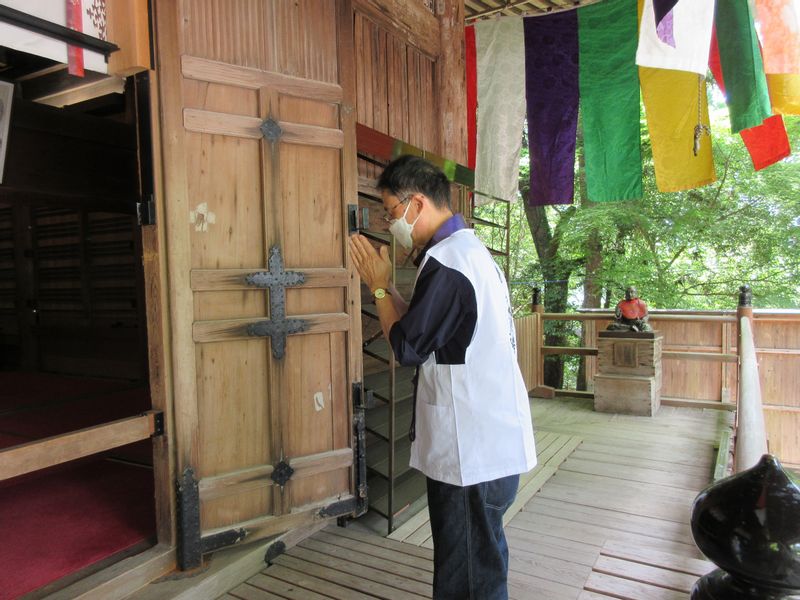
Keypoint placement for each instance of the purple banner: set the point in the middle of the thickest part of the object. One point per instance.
(551, 90)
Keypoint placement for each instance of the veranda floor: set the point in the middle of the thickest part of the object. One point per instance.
(610, 521)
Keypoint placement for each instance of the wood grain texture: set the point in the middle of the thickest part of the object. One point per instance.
(405, 20)
(40, 454)
(633, 528)
(219, 72)
(233, 65)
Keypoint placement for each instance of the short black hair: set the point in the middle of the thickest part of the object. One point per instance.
(409, 174)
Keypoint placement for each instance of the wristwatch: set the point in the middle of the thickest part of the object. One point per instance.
(379, 293)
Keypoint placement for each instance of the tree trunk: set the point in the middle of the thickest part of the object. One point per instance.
(592, 293)
(592, 290)
(556, 275)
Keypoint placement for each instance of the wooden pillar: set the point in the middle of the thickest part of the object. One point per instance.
(451, 81)
(128, 26)
(539, 389)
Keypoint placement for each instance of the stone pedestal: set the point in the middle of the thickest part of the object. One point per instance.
(628, 379)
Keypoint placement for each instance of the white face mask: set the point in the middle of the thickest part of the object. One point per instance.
(401, 230)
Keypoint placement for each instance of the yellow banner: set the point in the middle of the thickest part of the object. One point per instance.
(784, 93)
(671, 100)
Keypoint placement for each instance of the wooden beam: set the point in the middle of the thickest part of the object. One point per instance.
(101, 87)
(687, 403)
(451, 82)
(206, 121)
(574, 394)
(123, 578)
(59, 449)
(569, 350)
(653, 317)
(410, 21)
(156, 283)
(707, 356)
(258, 477)
(270, 525)
(128, 26)
(212, 71)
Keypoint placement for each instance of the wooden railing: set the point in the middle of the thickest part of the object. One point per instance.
(746, 523)
(751, 435)
(700, 357)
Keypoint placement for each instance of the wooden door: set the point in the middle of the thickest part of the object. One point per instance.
(259, 166)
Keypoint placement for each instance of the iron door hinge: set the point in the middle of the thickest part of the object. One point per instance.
(146, 210)
(190, 552)
(158, 424)
(361, 399)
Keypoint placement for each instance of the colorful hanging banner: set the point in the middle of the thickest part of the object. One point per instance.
(779, 30)
(609, 90)
(767, 143)
(784, 93)
(472, 93)
(742, 67)
(676, 106)
(551, 84)
(500, 58)
(75, 53)
(693, 23)
(675, 103)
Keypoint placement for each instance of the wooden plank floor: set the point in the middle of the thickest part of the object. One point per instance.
(625, 570)
(624, 492)
(551, 450)
(630, 484)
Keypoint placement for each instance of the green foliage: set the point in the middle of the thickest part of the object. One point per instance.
(683, 250)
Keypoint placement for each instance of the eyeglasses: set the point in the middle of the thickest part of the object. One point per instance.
(388, 217)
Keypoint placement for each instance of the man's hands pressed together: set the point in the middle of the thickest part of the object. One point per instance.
(376, 272)
(375, 269)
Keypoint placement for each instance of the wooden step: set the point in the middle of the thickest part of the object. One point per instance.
(627, 570)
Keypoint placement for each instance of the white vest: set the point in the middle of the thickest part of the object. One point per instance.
(473, 421)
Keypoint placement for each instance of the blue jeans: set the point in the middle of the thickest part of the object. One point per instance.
(470, 553)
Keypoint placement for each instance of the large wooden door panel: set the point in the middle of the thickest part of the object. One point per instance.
(267, 341)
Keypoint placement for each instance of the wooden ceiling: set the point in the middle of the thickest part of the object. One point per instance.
(482, 9)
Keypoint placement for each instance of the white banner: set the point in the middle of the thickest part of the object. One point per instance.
(500, 58)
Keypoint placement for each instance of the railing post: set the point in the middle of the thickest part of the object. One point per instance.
(743, 309)
(538, 310)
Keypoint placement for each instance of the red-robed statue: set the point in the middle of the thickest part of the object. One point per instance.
(631, 314)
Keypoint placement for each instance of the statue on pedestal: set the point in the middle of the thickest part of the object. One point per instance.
(631, 314)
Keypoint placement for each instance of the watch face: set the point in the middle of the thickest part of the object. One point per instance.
(380, 293)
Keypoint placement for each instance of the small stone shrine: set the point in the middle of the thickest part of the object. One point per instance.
(628, 379)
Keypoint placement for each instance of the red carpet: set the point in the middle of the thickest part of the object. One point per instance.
(67, 520)
(26, 388)
(47, 421)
